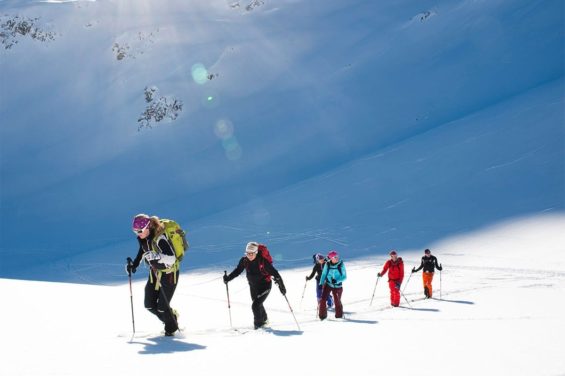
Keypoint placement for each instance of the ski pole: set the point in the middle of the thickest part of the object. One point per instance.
(228, 294)
(440, 281)
(401, 293)
(406, 284)
(374, 289)
(291, 311)
(129, 260)
(303, 291)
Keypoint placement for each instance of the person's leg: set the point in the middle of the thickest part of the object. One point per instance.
(259, 295)
(168, 287)
(424, 283)
(428, 277)
(318, 292)
(394, 294)
(337, 299)
(322, 308)
(151, 297)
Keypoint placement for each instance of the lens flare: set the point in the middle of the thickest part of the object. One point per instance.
(210, 99)
(235, 153)
(199, 73)
(223, 129)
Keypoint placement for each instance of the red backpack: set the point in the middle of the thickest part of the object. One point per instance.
(264, 255)
(264, 252)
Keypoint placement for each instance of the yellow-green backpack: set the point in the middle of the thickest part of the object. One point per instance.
(177, 236)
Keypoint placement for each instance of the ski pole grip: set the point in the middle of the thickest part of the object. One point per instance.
(129, 260)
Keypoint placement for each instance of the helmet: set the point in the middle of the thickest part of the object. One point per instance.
(317, 257)
(427, 252)
(140, 222)
(333, 254)
(252, 247)
(393, 252)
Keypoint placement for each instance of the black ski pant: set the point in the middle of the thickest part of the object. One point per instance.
(259, 294)
(158, 301)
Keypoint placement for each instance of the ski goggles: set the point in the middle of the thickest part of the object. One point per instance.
(140, 224)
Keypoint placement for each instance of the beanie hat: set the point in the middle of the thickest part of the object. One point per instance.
(333, 254)
(252, 247)
(427, 251)
(393, 252)
(318, 257)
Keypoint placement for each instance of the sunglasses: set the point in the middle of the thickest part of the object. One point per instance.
(250, 253)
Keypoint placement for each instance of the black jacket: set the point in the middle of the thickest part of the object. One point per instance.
(428, 263)
(145, 245)
(317, 269)
(259, 271)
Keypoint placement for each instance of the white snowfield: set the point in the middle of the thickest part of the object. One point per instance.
(501, 312)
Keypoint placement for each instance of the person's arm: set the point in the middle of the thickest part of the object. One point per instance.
(132, 268)
(276, 276)
(312, 274)
(438, 267)
(343, 272)
(138, 258)
(419, 268)
(269, 268)
(324, 274)
(401, 271)
(237, 271)
(385, 268)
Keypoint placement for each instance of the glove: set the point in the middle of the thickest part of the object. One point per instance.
(150, 256)
(379, 275)
(414, 270)
(334, 281)
(226, 279)
(307, 278)
(397, 285)
(130, 269)
(440, 268)
(282, 288)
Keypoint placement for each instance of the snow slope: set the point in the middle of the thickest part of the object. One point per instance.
(500, 313)
(451, 180)
(295, 90)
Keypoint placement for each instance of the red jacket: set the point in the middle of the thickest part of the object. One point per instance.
(395, 270)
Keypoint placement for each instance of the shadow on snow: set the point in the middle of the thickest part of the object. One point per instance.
(284, 333)
(454, 301)
(167, 345)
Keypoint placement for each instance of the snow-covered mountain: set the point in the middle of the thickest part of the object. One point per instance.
(359, 126)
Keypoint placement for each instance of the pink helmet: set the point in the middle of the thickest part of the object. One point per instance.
(333, 254)
(140, 222)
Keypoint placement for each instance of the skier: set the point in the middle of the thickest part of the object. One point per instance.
(259, 271)
(319, 262)
(395, 268)
(333, 275)
(157, 251)
(429, 263)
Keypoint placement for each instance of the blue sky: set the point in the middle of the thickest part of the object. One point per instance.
(373, 124)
